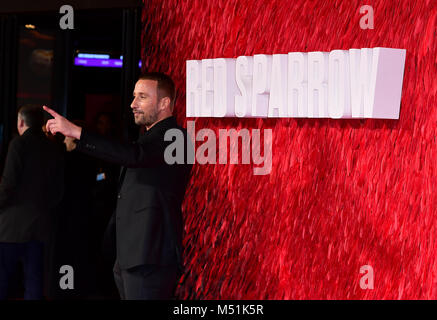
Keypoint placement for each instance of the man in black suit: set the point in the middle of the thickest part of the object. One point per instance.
(148, 215)
(30, 188)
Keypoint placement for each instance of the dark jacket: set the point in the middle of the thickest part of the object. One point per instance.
(148, 215)
(31, 186)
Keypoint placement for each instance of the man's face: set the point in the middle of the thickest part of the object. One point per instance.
(145, 103)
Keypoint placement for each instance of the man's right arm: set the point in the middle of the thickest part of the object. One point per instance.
(126, 154)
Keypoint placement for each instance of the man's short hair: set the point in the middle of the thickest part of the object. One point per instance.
(166, 87)
(32, 115)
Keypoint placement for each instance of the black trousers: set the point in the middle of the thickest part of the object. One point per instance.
(146, 282)
(31, 255)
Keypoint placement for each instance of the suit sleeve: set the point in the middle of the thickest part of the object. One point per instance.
(147, 153)
(11, 173)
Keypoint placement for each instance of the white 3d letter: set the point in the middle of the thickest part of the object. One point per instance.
(262, 65)
(278, 92)
(339, 85)
(297, 84)
(193, 88)
(224, 87)
(317, 85)
(207, 88)
(243, 75)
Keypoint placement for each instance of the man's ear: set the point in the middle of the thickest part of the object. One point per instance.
(165, 103)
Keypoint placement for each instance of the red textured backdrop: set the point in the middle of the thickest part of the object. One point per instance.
(341, 193)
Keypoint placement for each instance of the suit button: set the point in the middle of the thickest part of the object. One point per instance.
(118, 196)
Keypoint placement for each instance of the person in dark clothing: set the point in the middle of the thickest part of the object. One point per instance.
(104, 201)
(30, 189)
(148, 217)
(73, 230)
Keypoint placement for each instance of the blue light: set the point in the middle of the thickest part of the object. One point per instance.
(102, 63)
(93, 56)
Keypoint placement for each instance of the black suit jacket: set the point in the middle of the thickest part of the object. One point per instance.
(148, 215)
(31, 187)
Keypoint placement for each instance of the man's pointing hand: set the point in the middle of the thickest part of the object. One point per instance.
(62, 125)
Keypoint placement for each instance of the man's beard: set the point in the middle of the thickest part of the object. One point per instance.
(151, 119)
(147, 120)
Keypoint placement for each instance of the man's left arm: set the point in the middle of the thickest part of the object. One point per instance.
(131, 155)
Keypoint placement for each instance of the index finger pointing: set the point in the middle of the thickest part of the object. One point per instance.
(52, 112)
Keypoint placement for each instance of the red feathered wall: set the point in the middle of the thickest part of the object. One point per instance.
(341, 193)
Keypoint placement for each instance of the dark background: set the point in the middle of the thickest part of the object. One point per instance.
(37, 67)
